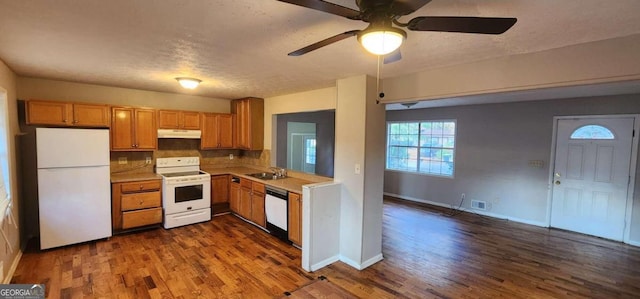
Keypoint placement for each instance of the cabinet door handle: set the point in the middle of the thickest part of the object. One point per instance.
(64, 121)
(141, 187)
(75, 121)
(141, 202)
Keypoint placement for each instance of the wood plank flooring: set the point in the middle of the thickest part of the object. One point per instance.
(427, 255)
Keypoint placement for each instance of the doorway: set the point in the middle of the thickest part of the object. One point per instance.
(301, 152)
(592, 175)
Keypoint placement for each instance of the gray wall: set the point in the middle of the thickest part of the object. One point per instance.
(325, 138)
(494, 144)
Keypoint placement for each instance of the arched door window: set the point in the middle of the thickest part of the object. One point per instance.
(592, 132)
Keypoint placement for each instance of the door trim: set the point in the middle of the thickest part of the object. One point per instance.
(632, 166)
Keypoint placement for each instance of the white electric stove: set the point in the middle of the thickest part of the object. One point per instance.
(186, 191)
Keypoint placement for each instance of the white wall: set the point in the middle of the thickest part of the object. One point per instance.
(359, 145)
(609, 60)
(494, 144)
(313, 100)
(45, 89)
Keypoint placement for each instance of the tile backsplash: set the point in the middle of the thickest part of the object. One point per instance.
(186, 148)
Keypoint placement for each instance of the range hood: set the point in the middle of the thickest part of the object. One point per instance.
(183, 134)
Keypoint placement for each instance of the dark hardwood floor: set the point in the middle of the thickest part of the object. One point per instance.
(427, 255)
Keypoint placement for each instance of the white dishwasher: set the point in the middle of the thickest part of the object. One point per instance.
(276, 206)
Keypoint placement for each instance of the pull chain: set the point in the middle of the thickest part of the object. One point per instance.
(380, 93)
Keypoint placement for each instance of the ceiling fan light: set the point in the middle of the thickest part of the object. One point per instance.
(382, 41)
(188, 83)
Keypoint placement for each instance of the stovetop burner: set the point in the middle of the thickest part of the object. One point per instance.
(179, 174)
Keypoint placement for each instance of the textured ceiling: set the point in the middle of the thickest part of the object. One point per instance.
(238, 48)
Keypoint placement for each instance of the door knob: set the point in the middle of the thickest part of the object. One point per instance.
(557, 182)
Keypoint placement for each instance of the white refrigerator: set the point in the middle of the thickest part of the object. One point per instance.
(74, 192)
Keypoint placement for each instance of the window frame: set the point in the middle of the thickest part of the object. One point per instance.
(6, 156)
(419, 147)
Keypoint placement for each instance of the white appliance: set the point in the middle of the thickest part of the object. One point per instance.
(276, 207)
(74, 186)
(186, 191)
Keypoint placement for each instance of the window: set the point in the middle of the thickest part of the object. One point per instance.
(592, 132)
(310, 151)
(426, 147)
(5, 184)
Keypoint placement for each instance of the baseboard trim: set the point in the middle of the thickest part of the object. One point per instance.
(483, 213)
(361, 266)
(372, 261)
(324, 263)
(633, 243)
(14, 266)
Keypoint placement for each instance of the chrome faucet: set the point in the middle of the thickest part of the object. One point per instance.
(278, 172)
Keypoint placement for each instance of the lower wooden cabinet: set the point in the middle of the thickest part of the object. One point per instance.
(245, 199)
(234, 195)
(136, 204)
(295, 218)
(219, 194)
(257, 204)
(144, 217)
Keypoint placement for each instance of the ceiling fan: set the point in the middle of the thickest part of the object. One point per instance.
(381, 37)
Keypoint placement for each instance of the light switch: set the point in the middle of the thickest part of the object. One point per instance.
(357, 169)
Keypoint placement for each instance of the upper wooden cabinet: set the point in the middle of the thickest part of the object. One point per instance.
(66, 114)
(174, 119)
(133, 129)
(249, 129)
(217, 131)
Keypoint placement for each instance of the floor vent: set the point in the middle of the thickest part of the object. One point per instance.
(478, 204)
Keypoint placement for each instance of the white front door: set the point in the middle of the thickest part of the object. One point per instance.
(591, 175)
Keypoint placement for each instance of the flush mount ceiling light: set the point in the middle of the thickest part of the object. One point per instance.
(188, 83)
(381, 40)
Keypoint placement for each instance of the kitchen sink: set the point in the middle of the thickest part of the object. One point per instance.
(266, 176)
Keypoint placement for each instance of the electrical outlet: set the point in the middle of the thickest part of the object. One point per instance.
(357, 169)
(478, 204)
(230, 156)
(147, 160)
(122, 160)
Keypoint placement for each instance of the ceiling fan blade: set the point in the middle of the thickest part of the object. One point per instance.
(405, 7)
(324, 42)
(462, 24)
(393, 56)
(327, 7)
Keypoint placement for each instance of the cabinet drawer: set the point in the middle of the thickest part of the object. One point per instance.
(141, 186)
(257, 187)
(143, 200)
(245, 183)
(141, 217)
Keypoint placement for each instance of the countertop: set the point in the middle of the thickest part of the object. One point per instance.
(132, 177)
(291, 184)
